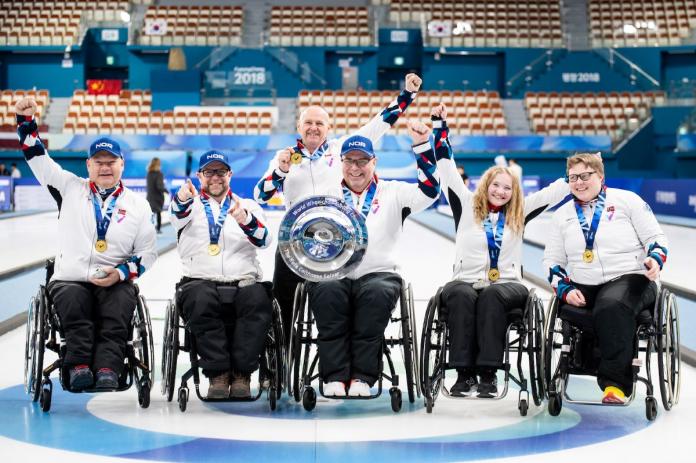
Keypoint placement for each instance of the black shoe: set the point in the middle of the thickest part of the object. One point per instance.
(106, 379)
(466, 383)
(488, 386)
(80, 377)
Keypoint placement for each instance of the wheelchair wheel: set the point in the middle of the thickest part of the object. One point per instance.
(409, 343)
(535, 346)
(294, 345)
(309, 398)
(668, 351)
(34, 347)
(650, 408)
(143, 347)
(432, 349)
(46, 393)
(275, 355)
(300, 343)
(552, 353)
(555, 404)
(144, 396)
(396, 401)
(170, 350)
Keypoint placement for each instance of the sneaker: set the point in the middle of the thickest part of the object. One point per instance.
(466, 382)
(359, 388)
(334, 389)
(219, 387)
(488, 386)
(240, 386)
(81, 377)
(106, 379)
(613, 395)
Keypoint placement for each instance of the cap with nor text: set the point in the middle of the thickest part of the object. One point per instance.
(107, 145)
(213, 156)
(357, 143)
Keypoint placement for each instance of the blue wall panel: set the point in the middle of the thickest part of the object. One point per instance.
(43, 71)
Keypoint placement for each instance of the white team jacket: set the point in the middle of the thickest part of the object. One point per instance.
(130, 233)
(318, 176)
(472, 261)
(626, 230)
(237, 258)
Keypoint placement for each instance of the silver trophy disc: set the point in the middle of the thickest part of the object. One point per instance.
(322, 238)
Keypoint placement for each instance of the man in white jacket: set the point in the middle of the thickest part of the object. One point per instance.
(352, 313)
(313, 167)
(222, 298)
(105, 240)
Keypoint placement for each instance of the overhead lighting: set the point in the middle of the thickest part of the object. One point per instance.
(125, 17)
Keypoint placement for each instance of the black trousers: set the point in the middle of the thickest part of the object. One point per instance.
(229, 324)
(615, 306)
(477, 321)
(284, 283)
(351, 317)
(95, 322)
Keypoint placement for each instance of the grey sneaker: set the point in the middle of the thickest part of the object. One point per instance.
(219, 387)
(240, 385)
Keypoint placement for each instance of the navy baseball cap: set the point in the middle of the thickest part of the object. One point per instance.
(213, 156)
(105, 144)
(357, 143)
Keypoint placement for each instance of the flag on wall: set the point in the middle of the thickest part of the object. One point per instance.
(104, 86)
(155, 26)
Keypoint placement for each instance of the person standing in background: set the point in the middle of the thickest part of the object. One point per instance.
(14, 171)
(156, 190)
(3, 171)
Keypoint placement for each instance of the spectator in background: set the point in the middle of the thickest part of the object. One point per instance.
(14, 171)
(463, 175)
(515, 169)
(3, 171)
(500, 161)
(156, 190)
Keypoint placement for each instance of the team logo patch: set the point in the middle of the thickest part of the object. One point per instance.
(120, 215)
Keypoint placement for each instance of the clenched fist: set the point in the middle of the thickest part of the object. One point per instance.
(187, 191)
(413, 82)
(439, 112)
(418, 131)
(237, 211)
(26, 107)
(284, 159)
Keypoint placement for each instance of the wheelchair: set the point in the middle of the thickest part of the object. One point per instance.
(571, 350)
(43, 331)
(524, 336)
(271, 371)
(303, 357)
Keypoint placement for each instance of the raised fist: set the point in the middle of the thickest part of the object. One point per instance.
(284, 159)
(439, 112)
(413, 82)
(26, 107)
(187, 191)
(418, 131)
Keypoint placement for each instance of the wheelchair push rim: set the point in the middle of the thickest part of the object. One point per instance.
(669, 353)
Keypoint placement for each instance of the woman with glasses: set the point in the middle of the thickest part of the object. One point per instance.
(604, 251)
(487, 269)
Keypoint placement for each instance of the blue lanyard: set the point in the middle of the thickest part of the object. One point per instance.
(495, 239)
(103, 222)
(369, 197)
(590, 231)
(215, 226)
(316, 155)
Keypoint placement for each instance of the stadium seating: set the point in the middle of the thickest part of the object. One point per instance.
(204, 25)
(501, 23)
(8, 99)
(602, 113)
(470, 112)
(130, 112)
(319, 26)
(641, 22)
(52, 22)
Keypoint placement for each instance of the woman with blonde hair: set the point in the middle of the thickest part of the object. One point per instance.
(156, 190)
(487, 269)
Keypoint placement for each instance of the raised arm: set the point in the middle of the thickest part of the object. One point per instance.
(420, 196)
(549, 196)
(180, 206)
(274, 177)
(382, 122)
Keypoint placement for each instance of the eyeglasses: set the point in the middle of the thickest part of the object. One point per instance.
(584, 176)
(209, 173)
(357, 162)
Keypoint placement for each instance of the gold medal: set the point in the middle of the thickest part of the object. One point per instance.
(100, 245)
(296, 158)
(493, 274)
(213, 249)
(588, 256)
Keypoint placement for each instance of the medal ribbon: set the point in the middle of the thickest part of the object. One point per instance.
(495, 238)
(369, 197)
(300, 148)
(215, 226)
(590, 230)
(104, 221)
